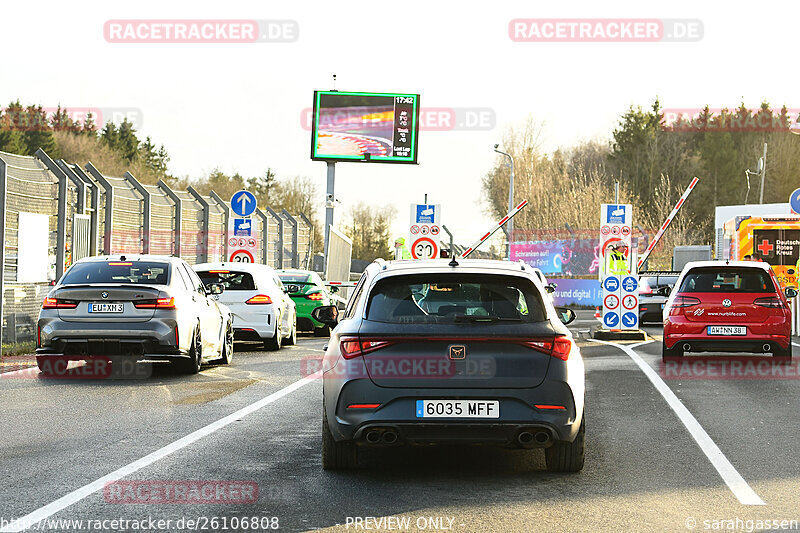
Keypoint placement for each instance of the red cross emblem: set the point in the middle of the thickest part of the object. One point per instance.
(765, 247)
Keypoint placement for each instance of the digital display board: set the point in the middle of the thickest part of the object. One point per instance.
(358, 126)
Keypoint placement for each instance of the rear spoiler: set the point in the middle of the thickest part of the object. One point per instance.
(659, 273)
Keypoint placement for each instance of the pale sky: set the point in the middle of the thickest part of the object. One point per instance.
(238, 106)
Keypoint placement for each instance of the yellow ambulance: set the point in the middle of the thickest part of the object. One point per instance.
(773, 239)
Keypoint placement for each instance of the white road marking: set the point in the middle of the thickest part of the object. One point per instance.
(736, 483)
(31, 519)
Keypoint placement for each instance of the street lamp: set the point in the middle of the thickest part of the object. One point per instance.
(760, 171)
(510, 223)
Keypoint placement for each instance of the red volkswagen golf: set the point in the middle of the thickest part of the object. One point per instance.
(727, 307)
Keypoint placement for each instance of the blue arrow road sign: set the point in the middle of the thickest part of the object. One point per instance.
(630, 284)
(611, 320)
(629, 319)
(243, 203)
(611, 284)
(794, 201)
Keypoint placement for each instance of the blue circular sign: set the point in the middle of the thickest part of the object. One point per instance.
(630, 284)
(630, 319)
(243, 203)
(794, 201)
(611, 320)
(611, 284)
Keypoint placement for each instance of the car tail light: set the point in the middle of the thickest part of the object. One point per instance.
(219, 271)
(259, 299)
(352, 347)
(548, 406)
(558, 347)
(315, 296)
(685, 301)
(58, 303)
(769, 302)
(38, 336)
(120, 264)
(160, 303)
(363, 406)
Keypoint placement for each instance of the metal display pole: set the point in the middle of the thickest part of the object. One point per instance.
(330, 200)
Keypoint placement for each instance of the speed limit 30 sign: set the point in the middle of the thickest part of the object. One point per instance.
(424, 248)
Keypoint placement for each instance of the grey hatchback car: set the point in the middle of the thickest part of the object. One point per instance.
(140, 308)
(431, 352)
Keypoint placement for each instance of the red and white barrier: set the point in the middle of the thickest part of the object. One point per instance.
(667, 222)
(496, 227)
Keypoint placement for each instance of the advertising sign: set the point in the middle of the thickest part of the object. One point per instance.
(362, 126)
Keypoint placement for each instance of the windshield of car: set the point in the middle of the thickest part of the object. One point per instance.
(233, 281)
(725, 280)
(142, 272)
(449, 298)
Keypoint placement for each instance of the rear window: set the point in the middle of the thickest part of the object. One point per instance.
(725, 280)
(448, 298)
(658, 281)
(139, 272)
(233, 281)
(295, 278)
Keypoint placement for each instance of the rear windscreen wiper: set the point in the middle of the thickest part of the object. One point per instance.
(483, 318)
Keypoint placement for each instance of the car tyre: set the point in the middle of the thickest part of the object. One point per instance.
(274, 343)
(568, 456)
(227, 346)
(336, 455)
(291, 340)
(670, 353)
(324, 331)
(194, 362)
(780, 352)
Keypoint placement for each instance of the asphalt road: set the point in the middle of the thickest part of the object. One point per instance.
(64, 439)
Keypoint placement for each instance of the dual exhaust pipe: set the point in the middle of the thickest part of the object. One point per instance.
(534, 438)
(387, 437)
(766, 347)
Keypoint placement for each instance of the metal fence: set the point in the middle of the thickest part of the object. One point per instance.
(79, 211)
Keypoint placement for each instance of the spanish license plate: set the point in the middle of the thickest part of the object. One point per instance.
(458, 409)
(106, 308)
(727, 330)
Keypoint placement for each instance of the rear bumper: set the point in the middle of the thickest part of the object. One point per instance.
(774, 331)
(397, 412)
(254, 326)
(153, 337)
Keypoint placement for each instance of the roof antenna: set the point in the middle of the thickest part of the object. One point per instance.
(334, 82)
(453, 262)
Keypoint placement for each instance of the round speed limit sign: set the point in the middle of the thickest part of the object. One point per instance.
(424, 248)
(241, 256)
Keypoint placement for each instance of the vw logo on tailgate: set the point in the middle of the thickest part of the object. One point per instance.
(726, 303)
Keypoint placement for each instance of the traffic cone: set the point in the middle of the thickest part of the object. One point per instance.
(597, 312)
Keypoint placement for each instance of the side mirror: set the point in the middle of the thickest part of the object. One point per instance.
(790, 292)
(567, 316)
(215, 288)
(291, 288)
(333, 289)
(327, 314)
(664, 291)
(550, 288)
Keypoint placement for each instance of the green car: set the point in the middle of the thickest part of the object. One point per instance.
(308, 291)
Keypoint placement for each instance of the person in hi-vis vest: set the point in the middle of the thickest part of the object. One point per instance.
(618, 259)
(401, 250)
